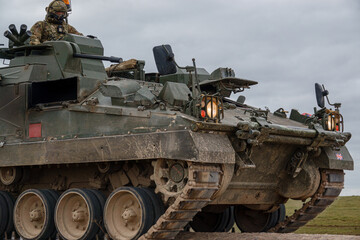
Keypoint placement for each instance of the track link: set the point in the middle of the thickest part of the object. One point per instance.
(203, 183)
(332, 182)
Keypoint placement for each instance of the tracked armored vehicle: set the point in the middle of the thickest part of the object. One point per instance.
(89, 153)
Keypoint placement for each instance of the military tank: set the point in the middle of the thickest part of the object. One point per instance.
(90, 153)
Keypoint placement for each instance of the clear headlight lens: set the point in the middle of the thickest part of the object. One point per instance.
(331, 123)
(212, 109)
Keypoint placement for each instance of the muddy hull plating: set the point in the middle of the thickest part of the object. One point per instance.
(215, 170)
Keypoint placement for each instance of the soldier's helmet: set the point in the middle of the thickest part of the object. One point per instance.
(56, 11)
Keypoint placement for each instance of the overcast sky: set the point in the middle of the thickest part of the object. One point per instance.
(285, 45)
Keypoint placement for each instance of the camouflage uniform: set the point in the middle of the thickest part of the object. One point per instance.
(45, 31)
(53, 27)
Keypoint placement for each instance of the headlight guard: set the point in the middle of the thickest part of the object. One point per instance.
(211, 108)
(333, 121)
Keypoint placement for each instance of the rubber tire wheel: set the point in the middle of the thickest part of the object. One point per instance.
(10, 200)
(282, 213)
(274, 216)
(231, 219)
(52, 199)
(157, 203)
(97, 216)
(54, 195)
(268, 219)
(101, 199)
(49, 205)
(95, 213)
(147, 208)
(149, 211)
(222, 222)
(4, 215)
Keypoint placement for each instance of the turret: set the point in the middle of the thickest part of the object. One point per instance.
(55, 71)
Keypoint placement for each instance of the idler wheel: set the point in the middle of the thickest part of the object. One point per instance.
(128, 213)
(34, 214)
(78, 213)
(249, 220)
(10, 175)
(6, 213)
(213, 221)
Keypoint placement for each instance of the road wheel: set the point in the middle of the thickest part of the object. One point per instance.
(230, 220)
(249, 220)
(213, 221)
(34, 214)
(10, 175)
(157, 204)
(6, 213)
(128, 213)
(78, 214)
(282, 213)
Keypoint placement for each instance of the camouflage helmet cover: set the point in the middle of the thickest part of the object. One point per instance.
(57, 6)
(54, 7)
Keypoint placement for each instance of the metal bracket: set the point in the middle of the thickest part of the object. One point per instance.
(93, 101)
(254, 132)
(257, 113)
(297, 161)
(280, 113)
(261, 120)
(264, 130)
(320, 138)
(242, 161)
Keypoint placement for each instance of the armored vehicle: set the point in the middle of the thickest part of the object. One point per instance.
(89, 153)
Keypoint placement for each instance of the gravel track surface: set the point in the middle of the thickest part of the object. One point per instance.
(261, 236)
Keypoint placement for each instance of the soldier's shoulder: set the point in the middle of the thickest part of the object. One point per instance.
(38, 24)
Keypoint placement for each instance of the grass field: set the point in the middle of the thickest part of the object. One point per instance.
(341, 217)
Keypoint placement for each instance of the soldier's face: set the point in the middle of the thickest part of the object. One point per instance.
(59, 14)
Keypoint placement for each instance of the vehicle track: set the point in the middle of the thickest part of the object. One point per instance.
(203, 183)
(262, 236)
(332, 182)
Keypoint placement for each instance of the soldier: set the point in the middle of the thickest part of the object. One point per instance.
(55, 25)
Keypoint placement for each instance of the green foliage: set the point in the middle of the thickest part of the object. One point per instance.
(341, 217)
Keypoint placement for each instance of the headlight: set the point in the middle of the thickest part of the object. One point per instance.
(330, 123)
(211, 108)
(333, 121)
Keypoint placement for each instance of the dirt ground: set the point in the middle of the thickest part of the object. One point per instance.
(261, 236)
